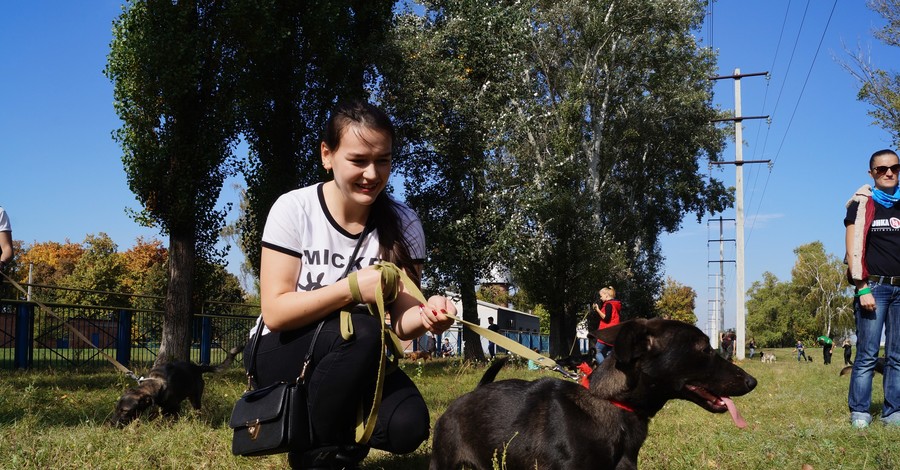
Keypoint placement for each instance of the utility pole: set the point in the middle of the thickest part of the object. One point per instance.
(715, 323)
(740, 320)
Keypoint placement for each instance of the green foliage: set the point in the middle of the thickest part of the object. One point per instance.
(606, 88)
(445, 85)
(814, 302)
(820, 279)
(296, 60)
(877, 87)
(173, 73)
(100, 268)
(494, 294)
(677, 302)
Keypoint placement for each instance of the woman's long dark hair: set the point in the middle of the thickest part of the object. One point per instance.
(384, 215)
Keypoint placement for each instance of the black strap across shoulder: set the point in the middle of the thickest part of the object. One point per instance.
(251, 373)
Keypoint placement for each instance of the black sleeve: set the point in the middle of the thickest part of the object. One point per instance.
(850, 218)
(608, 311)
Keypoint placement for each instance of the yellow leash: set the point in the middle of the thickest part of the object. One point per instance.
(392, 277)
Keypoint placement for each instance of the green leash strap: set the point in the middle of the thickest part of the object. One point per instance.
(492, 336)
(365, 426)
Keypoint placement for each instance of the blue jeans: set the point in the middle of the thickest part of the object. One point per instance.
(868, 340)
(603, 350)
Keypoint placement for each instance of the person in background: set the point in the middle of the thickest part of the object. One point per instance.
(847, 352)
(608, 311)
(492, 348)
(827, 348)
(752, 347)
(6, 243)
(872, 239)
(801, 350)
(446, 348)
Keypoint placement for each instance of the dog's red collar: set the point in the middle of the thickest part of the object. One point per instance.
(622, 406)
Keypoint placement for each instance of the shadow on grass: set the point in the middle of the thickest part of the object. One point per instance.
(75, 398)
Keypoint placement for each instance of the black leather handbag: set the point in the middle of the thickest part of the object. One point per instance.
(273, 419)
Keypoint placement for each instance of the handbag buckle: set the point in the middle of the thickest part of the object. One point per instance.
(253, 429)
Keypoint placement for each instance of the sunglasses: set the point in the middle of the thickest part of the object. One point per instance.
(880, 170)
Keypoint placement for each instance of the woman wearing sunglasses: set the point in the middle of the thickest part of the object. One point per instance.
(873, 259)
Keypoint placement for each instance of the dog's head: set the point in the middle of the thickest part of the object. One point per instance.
(665, 359)
(132, 403)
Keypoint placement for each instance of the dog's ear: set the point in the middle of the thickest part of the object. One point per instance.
(632, 341)
(607, 335)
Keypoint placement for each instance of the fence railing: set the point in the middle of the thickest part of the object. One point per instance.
(31, 338)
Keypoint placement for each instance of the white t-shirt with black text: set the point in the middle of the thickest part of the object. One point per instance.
(300, 225)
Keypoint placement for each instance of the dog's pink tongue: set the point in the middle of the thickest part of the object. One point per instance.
(735, 415)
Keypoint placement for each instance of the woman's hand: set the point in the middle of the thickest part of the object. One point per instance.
(433, 315)
(368, 279)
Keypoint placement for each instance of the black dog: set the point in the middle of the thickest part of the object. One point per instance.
(555, 424)
(167, 386)
(879, 367)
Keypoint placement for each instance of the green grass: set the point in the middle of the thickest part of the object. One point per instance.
(797, 415)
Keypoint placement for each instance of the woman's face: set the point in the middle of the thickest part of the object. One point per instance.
(886, 180)
(361, 163)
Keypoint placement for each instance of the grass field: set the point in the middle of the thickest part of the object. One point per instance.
(797, 415)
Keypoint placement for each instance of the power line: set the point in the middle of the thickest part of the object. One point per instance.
(808, 74)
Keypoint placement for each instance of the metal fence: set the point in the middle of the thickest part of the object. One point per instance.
(31, 338)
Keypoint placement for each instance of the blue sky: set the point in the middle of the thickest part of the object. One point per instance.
(61, 175)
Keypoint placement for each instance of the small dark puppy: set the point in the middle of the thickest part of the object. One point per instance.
(879, 367)
(556, 424)
(167, 386)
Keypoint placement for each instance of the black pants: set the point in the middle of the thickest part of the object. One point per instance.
(343, 375)
(826, 354)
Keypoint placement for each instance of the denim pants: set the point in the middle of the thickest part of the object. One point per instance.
(603, 350)
(869, 326)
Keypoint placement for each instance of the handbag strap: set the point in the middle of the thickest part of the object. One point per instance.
(251, 373)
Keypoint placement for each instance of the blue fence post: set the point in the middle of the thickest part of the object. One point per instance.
(123, 338)
(24, 336)
(206, 340)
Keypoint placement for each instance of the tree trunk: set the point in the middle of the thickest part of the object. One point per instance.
(176, 334)
(471, 339)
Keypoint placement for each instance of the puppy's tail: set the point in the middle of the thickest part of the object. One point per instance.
(846, 370)
(493, 370)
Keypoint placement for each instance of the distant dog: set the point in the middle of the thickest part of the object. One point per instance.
(167, 386)
(879, 367)
(416, 355)
(768, 358)
(556, 424)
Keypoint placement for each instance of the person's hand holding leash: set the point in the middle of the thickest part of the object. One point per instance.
(433, 315)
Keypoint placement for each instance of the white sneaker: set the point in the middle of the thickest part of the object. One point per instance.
(859, 423)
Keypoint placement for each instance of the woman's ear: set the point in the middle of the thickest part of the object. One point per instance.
(326, 157)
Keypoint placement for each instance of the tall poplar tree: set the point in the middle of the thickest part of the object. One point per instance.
(297, 60)
(171, 68)
(446, 86)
